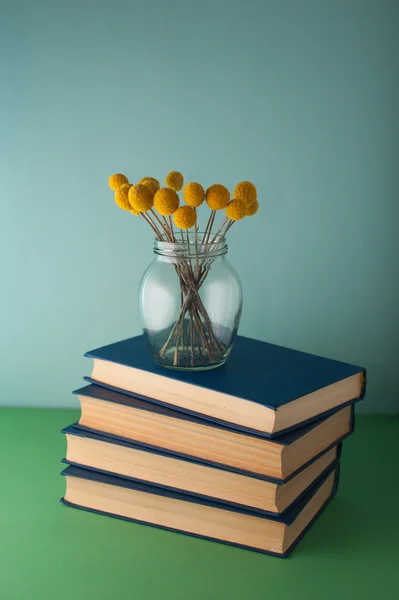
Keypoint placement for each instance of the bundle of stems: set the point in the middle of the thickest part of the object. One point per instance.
(192, 332)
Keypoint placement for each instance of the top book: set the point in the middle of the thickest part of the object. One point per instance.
(262, 388)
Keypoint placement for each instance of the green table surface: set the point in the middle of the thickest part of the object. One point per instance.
(48, 550)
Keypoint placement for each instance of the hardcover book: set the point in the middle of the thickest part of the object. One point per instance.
(159, 427)
(131, 500)
(262, 388)
(115, 456)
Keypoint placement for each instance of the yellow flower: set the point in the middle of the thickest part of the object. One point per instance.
(246, 191)
(140, 197)
(217, 196)
(185, 217)
(144, 179)
(235, 210)
(134, 212)
(166, 201)
(174, 180)
(251, 208)
(116, 181)
(150, 182)
(194, 194)
(121, 196)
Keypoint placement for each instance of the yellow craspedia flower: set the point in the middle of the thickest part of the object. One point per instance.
(251, 208)
(141, 197)
(235, 210)
(134, 212)
(217, 196)
(194, 194)
(117, 180)
(174, 180)
(185, 217)
(122, 196)
(144, 179)
(166, 201)
(150, 182)
(246, 191)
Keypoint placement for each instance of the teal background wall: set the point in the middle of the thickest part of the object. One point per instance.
(299, 97)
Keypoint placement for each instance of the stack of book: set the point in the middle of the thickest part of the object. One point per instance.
(246, 454)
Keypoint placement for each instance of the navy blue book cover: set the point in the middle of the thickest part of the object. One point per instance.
(285, 439)
(74, 429)
(256, 371)
(288, 518)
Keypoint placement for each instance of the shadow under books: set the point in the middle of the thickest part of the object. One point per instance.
(346, 528)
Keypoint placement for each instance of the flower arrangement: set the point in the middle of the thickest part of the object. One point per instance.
(192, 334)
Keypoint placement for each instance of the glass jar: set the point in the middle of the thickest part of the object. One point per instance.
(190, 303)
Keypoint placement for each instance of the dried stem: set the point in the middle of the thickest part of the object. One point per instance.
(176, 355)
(198, 336)
(172, 230)
(188, 246)
(196, 247)
(148, 220)
(169, 230)
(192, 339)
(208, 227)
(162, 225)
(176, 326)
(219, 231)
(202, 333)
(229, 226)
(192, 275)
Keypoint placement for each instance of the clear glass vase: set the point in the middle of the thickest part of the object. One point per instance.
(190, 303)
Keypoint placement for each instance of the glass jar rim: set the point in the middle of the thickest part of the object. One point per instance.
(191, 246)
